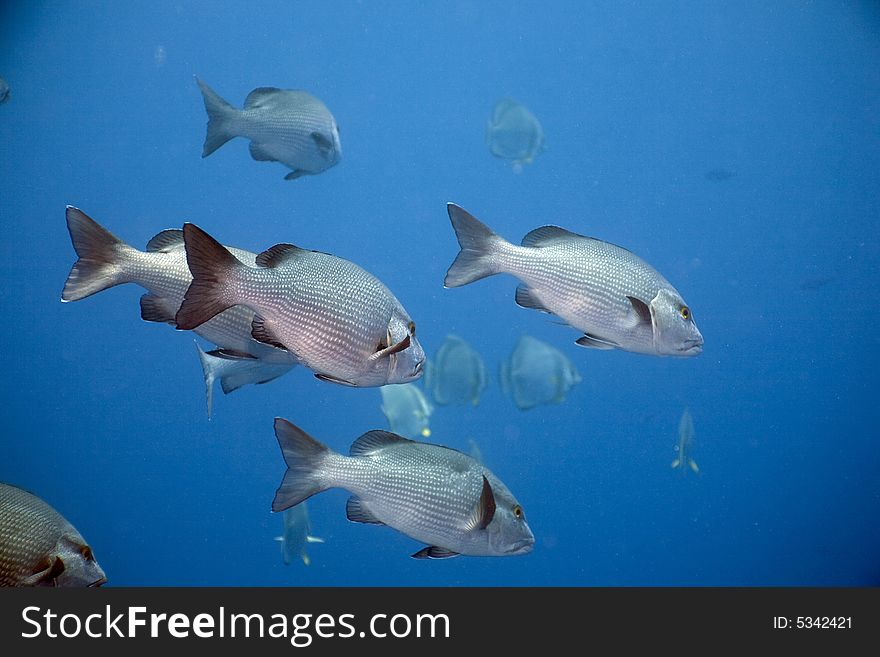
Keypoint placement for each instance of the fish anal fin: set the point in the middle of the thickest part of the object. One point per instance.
(355, 511)
(592, 342)
(261, 333)
(434, 552)
(526, 299)
(332, 379)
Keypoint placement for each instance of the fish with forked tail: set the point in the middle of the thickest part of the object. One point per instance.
(284, 125)
(433, 494)
(333, 316)
(617, 299)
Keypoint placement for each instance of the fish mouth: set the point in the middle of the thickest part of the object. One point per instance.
(417, 370)
(691, 347)
(98, 582)
(522, 546)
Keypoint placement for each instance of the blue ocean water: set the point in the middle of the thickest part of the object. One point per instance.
(103, 415)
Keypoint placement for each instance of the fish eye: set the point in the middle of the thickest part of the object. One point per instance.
(86, 552)
(412, 328)
(685, 312)
(517, 511)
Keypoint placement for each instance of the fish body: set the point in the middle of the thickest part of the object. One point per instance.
(537, 373)
(457, 374)
(433, 494)
(5, 91)
(407, 410)
(283, 125)
(39, 547)
(296, 535)
(105, 261)
(333, 316)
(513, 133)
(685, 441)
(617, 299)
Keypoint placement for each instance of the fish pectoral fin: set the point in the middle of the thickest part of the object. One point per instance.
(391, 349)
(325, 146)
(434, 552)
(526, 299)
(45, 573)
(592, 342)
(261, 333)
(260, 154)
(484, 510)
(293, 175)
(641, 310)
(332, 379)
(357, 512)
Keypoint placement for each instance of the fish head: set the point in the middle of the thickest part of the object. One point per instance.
(508, 534)
(74, 564)
(407, 364)
(674, 330)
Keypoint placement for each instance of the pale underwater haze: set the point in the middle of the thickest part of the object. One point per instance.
(733, 147)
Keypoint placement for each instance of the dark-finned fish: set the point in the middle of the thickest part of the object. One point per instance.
(39, 547)
(284, 125)
(433, 494)
(105, 261)
(617, 299)
(333, 316)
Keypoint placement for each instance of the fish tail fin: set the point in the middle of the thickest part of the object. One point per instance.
(221, 119)
(212, 266)
(478, 244)
(305, 457)
(101, 256)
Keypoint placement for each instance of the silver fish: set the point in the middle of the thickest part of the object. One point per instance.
(407, 410)
(297, 534)
(105, 261)
(335, 318)
(457, 374)
(513, 133)
(284, 125)
(685, 441)
(39, 547)
(5, 91)
(433, 494)
(537, 373)
(617, 299)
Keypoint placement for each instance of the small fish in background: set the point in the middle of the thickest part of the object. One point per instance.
(5, 91)
(283, 125)
(297, 534)
(39, 547)
(513, 133)
(719, 175)
(537, 373)
(331, 315)
(685, 442)
(456, 375)
(407, 410)
(433, 494)
(617, 299)
(106, 261)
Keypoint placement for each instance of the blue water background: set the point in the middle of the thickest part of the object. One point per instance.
(103, 415)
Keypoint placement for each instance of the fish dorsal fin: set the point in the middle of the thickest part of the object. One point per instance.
(357, 512)
(277, 255)
(547, 235)
(525, 299)
(260, 96)
(374, 440)
(393, 349)
(641, 309)
(434, 552)
(484, 511)
(593, 342)
(165, 241)
(325, 146)
(261, 333)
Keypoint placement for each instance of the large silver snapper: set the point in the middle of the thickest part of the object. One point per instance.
(617, 299)
(514, 133)
(297, 534)
(284, 125)
(456, 375)
(105, 261)
(39, 547)
(407, 410)
(537, 373)
(433, 494)
(333, 316)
